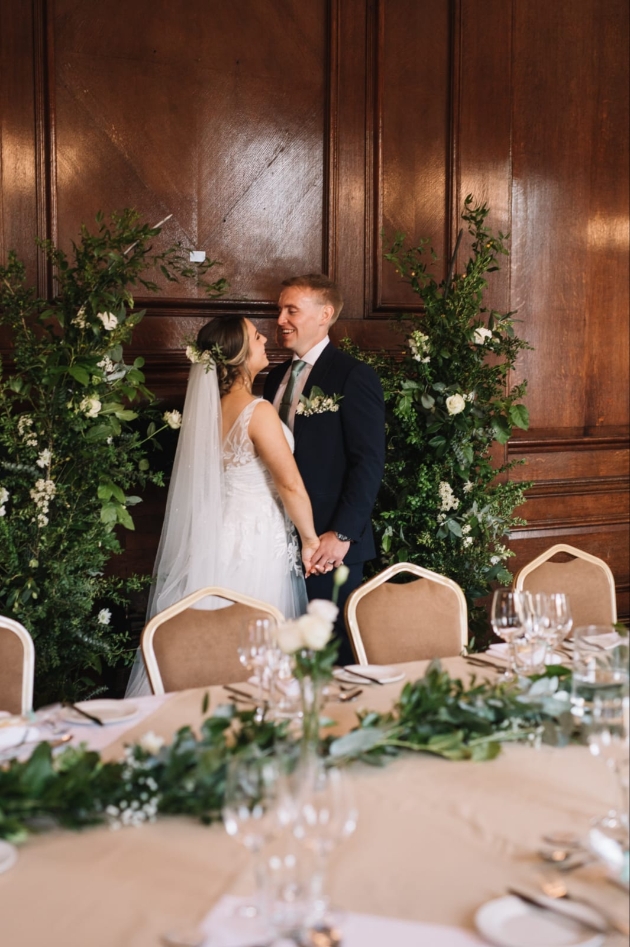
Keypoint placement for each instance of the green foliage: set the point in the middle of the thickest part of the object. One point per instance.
(75, 425)
(436, 714)
(443, 503)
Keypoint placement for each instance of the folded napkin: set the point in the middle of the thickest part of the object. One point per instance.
(18, 735)
(359, 930)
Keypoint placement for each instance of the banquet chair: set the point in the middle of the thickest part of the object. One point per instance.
(586, 580)
(17, 667)
(184, 646)
(392, 623)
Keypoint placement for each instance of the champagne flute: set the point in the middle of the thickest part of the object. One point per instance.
(325, 815)
(608, 740)
(250, 812)
(508, 618)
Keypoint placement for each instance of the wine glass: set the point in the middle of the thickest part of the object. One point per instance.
(256, 638)
(325, 815)
(508, 618)
(608, 740)
(253, 790)
(552, 616)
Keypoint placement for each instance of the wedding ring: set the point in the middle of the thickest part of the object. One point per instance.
(330, 562)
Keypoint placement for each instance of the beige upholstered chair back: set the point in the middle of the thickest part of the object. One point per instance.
(17, 667)
(390, 623)
(186, 647)
(585, 579)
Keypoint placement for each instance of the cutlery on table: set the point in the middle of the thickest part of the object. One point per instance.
(556, 889)
(238, 692)
(484, 663)
(363, 677)
(83, 713)
(349, 695)
(589, 919)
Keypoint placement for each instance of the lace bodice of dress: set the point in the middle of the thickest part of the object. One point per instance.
(238, 448)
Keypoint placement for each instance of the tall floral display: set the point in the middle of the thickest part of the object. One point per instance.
(75, 424)
(443, 503)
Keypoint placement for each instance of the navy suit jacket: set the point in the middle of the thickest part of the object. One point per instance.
(341, 454)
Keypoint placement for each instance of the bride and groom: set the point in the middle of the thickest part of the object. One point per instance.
(251, 471)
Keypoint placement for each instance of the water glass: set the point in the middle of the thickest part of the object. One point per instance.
(608, 740)
(530, 653)
(508, 618)
(600, 668)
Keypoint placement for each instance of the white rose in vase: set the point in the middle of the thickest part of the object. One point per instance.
(316, 631)
(323, 609)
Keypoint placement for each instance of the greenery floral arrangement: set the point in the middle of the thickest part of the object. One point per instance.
(75, 425)
(436, 714)
(443, 502)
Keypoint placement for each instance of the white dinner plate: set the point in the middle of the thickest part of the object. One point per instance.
(384, 673)
(8, 856)
(109, 711)
(510, 922)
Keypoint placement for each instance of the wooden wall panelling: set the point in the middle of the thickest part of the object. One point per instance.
(18, 207)
(413, 127)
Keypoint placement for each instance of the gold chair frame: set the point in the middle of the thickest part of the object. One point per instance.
(522, 574)
(152, 626)
(355, 597)
(25, 698)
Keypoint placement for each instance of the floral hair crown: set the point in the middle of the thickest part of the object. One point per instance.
(208, 357)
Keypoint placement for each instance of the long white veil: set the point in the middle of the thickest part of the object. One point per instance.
(188, 557)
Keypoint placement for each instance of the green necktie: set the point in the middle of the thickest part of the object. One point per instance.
(287, 397)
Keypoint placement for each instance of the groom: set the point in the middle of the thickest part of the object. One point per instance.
(340, 453)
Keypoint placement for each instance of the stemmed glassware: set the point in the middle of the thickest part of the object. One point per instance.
(551, 616)
(508, 618)
(253, 790)
(608, 739)
(256, 647)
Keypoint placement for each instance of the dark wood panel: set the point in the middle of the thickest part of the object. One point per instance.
(413, 127)
(18, 157)
(570, 207)
(217, 117)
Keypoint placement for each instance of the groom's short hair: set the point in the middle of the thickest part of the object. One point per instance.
(326, 289)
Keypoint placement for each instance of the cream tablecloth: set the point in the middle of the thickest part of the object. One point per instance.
(435, 840)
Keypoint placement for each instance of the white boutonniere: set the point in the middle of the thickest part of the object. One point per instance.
(317, 403)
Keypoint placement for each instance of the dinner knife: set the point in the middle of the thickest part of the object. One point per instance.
(363, 677)
(83, 713)
(574, 911)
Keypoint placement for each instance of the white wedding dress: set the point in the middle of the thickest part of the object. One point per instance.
(260, 551)
(249, 545)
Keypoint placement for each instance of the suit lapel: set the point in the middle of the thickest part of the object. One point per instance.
(316, 377)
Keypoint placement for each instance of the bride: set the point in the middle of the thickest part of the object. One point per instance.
(235, 491)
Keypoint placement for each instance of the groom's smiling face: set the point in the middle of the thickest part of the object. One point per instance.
(303, 320)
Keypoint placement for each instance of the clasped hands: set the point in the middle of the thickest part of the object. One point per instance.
(323, 554)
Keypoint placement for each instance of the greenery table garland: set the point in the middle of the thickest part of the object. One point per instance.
(437, 714)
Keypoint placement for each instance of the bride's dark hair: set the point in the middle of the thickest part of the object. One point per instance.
(226, 337)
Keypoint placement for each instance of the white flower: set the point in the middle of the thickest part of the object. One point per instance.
(316, 631)
(468, 486)
(4, 495)
(198, 358)
(466, 528)
(90, 406)
(110, 440)
(341, 575)
(322, 608)
(441, 518)
(42, 520)
(495, 560)
(468, 541)
(104, 616)
(448, 500)
(44, 458)
(108, 319)
(455, 404)
(482, 335)
(107, 365)
(173, 419)
(299, 408)
(470, 396)
(418, 342)
(79, 319)
(152, 743)
(289, 637)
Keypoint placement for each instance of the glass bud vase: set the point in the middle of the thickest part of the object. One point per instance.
(311, 692)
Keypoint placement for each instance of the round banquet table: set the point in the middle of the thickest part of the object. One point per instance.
(435, 840)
